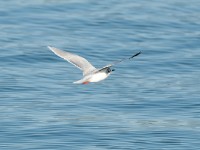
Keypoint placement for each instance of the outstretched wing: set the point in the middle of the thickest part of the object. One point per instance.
(121, 60)
(74, 59)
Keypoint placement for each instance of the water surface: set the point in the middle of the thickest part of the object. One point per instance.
(151, 102)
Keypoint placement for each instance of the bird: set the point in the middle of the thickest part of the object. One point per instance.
(90, 73)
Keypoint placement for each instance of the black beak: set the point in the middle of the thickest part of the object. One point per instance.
(113, 69)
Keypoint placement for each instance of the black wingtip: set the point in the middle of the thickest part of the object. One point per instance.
(136, 54)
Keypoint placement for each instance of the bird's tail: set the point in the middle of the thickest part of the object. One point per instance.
(79, 81)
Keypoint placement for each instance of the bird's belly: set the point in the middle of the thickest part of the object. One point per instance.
(98, 77)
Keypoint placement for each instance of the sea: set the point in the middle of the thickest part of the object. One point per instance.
(150, 102)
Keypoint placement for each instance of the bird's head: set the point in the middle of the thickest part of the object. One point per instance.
(109, 70)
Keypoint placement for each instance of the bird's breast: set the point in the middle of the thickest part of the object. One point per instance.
(98, 77)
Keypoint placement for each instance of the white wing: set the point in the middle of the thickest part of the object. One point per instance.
(76, 60)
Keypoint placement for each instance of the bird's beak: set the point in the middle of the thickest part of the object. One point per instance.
(113, 69)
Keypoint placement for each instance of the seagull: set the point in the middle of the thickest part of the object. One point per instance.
(90, 73)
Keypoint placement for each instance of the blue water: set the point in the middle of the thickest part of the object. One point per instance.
(152, 102)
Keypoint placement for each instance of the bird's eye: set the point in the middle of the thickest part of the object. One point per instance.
(109, 70)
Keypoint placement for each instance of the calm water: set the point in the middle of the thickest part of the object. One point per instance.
(152, 102)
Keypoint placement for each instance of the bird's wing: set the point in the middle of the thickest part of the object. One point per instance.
(74, 59)
(121, 60)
